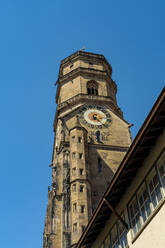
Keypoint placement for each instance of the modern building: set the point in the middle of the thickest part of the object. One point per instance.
(91, 139)
(132, 211)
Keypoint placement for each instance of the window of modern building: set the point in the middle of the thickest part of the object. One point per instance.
(117, 236)
(80, 155)
(114, 237)
(162, 174)
(154, 188)
(92, 88)
(81, 188)
(74, 187)
(80, 140)
(122, 232)
(75, 227)
(74, 207)
(144, 203)
(161, 170)
(148, 197)
(82, 209)
(134, 215)
(81, 172)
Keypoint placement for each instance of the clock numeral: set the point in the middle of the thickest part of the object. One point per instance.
(90, 106)
(84, 109)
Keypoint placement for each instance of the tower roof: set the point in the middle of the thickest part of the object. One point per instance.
(85, 55)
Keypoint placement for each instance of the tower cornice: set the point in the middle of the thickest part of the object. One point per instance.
(81, 71)
(83, 97)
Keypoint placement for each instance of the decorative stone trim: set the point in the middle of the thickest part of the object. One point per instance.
(112, 148)
(85, 97)
(98, 73)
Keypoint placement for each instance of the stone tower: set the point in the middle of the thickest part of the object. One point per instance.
(91, 138)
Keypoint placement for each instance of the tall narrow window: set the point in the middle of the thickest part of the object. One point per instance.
(82, 228)
(80, 155)
(98, 136)
(82, 209)
(75, 227)
(74, 207)
(81, 172)
(73, 155)
(81, 188)
(99, 165)
(80, 140)
(74, 187)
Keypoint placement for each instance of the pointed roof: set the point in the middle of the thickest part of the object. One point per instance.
(76, 124)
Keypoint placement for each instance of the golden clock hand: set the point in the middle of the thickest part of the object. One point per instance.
(99, 121)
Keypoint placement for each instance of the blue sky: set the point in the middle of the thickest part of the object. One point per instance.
(35, 36)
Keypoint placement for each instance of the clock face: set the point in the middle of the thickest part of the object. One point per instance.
(95, 116)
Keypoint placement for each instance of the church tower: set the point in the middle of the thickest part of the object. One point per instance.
(91, 139)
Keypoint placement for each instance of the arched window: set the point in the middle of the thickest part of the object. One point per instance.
(92, 88)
